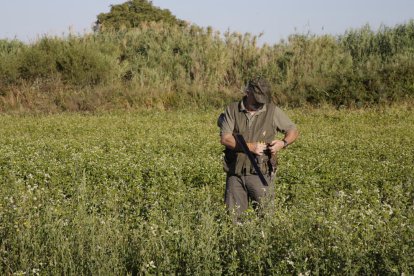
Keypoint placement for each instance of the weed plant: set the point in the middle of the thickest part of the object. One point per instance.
(142, 193)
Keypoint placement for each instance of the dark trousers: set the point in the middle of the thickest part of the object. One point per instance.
(240, 190)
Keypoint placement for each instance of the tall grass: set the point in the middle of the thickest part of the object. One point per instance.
(167, 67)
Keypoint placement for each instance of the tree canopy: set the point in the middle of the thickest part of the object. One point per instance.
(132, 13)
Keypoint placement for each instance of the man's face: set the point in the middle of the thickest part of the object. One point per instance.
(252, 99)
(254, 105)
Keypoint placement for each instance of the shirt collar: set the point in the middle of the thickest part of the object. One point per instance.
(242, 107)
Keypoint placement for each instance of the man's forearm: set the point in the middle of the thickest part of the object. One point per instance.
(291, 136)
(228, 141)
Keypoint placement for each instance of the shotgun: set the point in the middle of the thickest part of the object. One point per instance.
(240, 140)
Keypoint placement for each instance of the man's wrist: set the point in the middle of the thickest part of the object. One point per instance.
(285, 143)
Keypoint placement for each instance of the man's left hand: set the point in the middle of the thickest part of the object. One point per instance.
(275, 146)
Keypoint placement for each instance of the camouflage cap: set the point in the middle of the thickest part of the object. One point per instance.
(261, 90)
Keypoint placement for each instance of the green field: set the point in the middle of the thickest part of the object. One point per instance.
(142, 192)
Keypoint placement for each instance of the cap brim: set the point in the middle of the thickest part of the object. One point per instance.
(260, 98)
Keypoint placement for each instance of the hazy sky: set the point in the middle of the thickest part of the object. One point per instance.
(28, 19)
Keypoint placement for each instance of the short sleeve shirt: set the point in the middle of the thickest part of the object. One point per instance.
(281, 122)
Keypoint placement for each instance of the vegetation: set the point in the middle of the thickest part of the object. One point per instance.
(132, 193)
(132, 14)
(167, 66)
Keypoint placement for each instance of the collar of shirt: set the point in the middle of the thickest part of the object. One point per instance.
(242, 107)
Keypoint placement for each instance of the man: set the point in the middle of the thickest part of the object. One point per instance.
(258, 120)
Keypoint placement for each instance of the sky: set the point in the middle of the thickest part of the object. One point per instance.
(273, 20)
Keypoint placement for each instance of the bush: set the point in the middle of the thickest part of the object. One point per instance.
(9, 50)
(159, 65)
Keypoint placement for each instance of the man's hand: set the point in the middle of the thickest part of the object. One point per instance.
(257, 148)
(290, 137)
(275, 146)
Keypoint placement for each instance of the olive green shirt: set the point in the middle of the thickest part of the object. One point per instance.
(281, 122)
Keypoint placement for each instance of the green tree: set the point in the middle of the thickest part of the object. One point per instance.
(131, 14)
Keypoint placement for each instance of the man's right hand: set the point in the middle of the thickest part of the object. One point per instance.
(257, 148)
